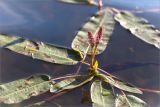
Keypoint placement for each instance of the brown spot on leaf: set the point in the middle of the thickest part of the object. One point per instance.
(28, 82)
(35, 93)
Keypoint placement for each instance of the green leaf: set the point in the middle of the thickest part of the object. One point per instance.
(140, 28)
(121, 84)
(104, 97)
(106, 21)
(70, 83)
(79, 2)
(101, 97)
(22, 89)
(133, 101)
(41, 51)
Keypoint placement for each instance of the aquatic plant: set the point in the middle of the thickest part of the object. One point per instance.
(91, 40)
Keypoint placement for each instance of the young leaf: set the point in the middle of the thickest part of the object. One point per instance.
(87, 2)
(120, 84)
(22, 89)
(70, 83)
(106, 21)
(133, 101)
(41, 51)
(140, 28)
(101, 97)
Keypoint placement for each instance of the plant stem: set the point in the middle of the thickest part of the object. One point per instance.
(94, 49)
(47, 99)
(92, 58)
(85, 54)
(63, 77)
(150, 90)
(126, 98)
(101, 70)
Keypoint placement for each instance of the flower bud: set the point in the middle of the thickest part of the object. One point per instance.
(91, 39)
(99, 36)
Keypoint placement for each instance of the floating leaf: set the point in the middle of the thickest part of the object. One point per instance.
(70, 83)
(41, 51)
(140, 28)
(106, 21)
(22, 89)
(133, 101)
(121, 85)
(104, 98)
(87, 2)
(101, 97)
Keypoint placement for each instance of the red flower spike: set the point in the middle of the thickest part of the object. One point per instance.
(100, 4)
(99, 35)
(91, 39)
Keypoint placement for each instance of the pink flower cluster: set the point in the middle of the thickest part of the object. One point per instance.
(93, 41)
(100, 4)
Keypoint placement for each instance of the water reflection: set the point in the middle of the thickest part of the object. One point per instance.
(48, 21)
(134, 61)
(141, 4)
(43, 20)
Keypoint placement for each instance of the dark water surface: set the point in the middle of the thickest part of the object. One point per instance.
(50, 21)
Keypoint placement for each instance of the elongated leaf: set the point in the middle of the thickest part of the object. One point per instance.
(140, 28)
(133, 101)
(70, 83)
(22, 89)
(106, 21)
(121, 85)
(79, 2)
(41, 51)
(101, 97)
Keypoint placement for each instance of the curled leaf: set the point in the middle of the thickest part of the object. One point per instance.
(22, 89)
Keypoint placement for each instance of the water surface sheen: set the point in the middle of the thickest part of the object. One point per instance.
(50, 21)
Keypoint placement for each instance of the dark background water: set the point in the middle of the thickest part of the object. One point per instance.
(50, 21)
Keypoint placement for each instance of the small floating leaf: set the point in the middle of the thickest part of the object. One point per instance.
(101, 97)
(70, 83)
(121, 85)
(87, 2)
(133, 101)
(22, 89)
(106, 21)
(41, 51)
(140, 28)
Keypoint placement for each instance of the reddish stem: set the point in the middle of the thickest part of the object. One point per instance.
(150, 90)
